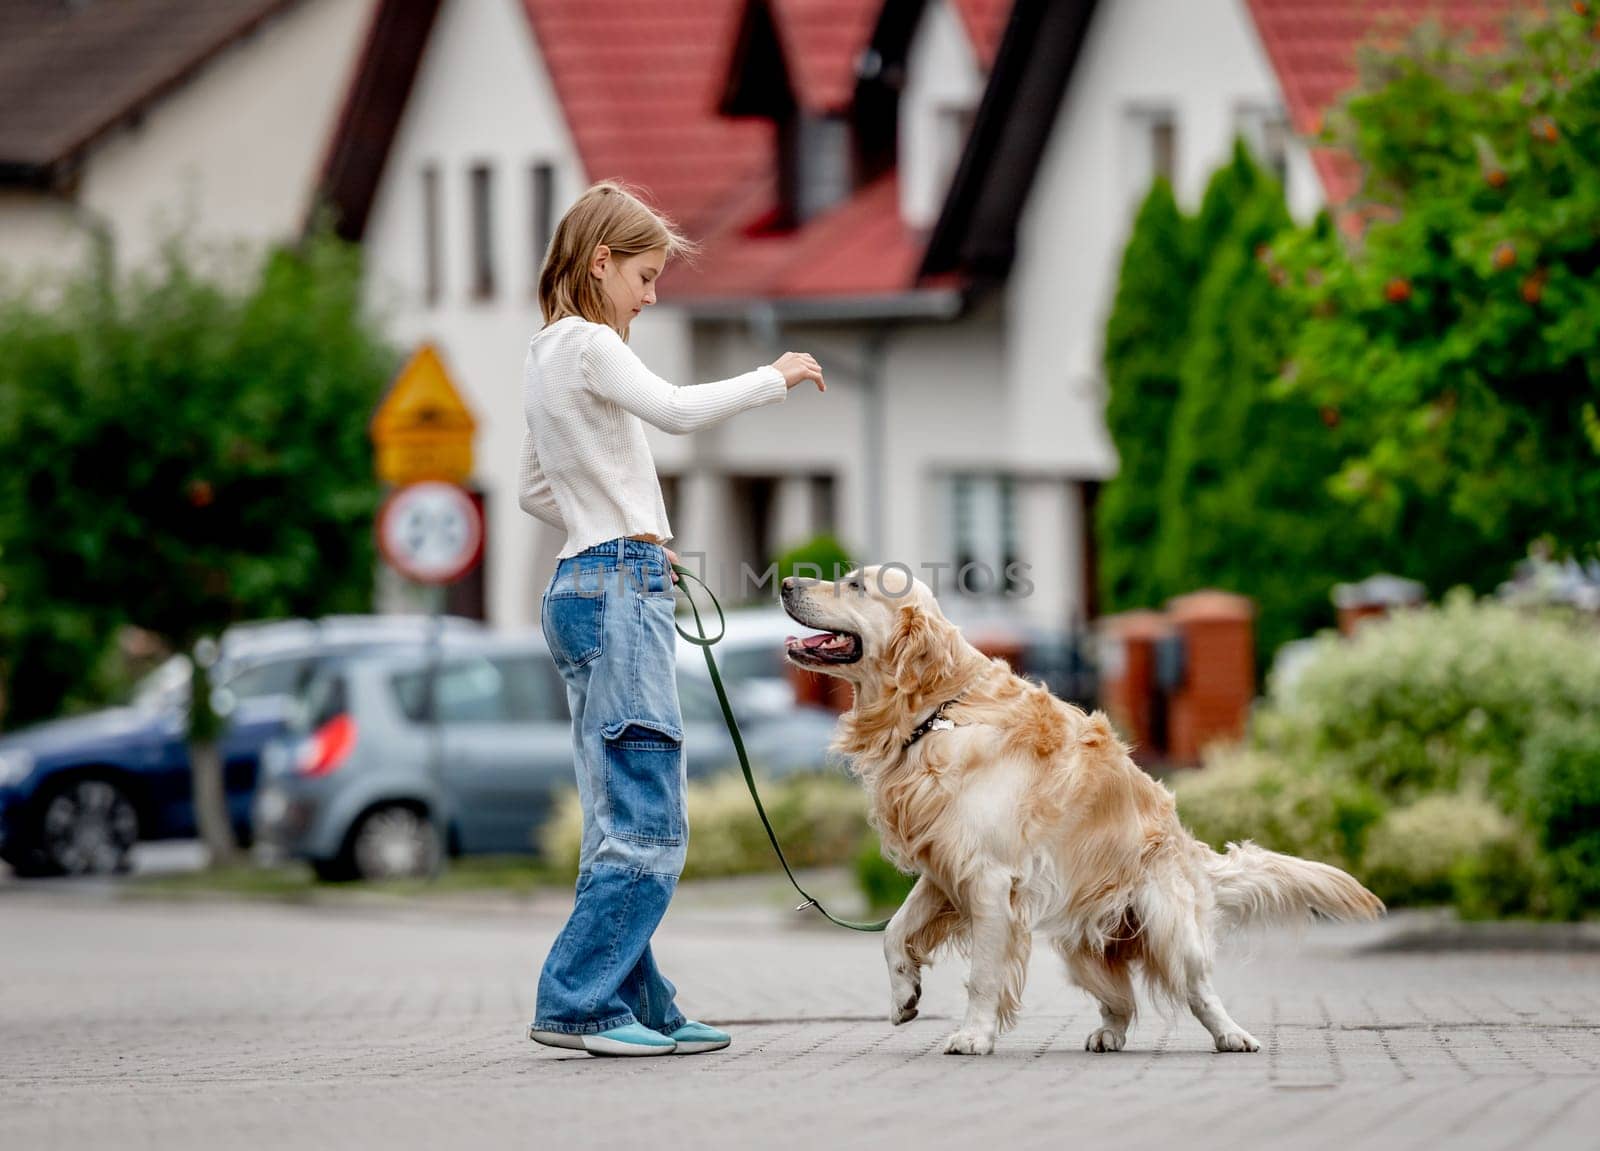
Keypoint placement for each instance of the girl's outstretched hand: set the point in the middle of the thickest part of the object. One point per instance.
(798, 367)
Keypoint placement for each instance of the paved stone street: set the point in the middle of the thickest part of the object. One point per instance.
(375, 1023)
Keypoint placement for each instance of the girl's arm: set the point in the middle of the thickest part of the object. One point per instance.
(614, 372)
(535, 496)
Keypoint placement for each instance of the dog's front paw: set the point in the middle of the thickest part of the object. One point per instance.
(1105, 1039)
(905, 992)
(903, 1003)
(965, 1042)
(1237, 1041)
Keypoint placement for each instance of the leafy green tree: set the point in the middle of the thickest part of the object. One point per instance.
(1463, 322)
(181, 455)
(1245, 505)
(1144, 340)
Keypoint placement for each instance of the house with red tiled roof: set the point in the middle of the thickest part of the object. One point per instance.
(931, 196)
(138, 120)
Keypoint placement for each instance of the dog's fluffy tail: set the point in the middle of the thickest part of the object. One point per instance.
(1253, 885)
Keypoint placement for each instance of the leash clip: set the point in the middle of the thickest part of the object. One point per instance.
(806, 904)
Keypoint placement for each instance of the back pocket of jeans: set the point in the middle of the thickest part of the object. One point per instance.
(573, 626)
(644, 789)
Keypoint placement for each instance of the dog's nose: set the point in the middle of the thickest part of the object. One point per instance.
(787, 583)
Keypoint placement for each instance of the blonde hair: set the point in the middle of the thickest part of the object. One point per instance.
(609, 213)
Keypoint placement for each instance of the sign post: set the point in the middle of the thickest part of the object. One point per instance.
(429, 529)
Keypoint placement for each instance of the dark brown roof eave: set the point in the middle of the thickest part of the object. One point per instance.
(977, 228)
(17, 175)
(379, 89)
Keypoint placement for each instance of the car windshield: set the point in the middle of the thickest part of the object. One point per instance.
(164, 687)
(763, 662)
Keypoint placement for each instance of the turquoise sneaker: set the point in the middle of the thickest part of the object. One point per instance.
(631, 1039)
(693, 1038)
(556, 1038)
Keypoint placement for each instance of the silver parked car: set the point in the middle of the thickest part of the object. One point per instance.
(391, 763)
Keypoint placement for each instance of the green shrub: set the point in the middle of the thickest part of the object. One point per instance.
(823, 552)
(1144, 339)
(884, 884)
(1244, 793)
(819, 821)
(182, 449)
(1507, 877)
(1562, 790)
(1413, 853)
(1438, 699)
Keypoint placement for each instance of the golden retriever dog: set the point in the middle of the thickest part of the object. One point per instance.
(1024, 816)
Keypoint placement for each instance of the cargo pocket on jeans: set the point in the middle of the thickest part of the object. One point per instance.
(644, 792)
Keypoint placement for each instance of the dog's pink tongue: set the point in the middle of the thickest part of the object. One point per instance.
(811, 640)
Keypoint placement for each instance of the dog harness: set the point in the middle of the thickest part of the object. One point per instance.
(935, 722)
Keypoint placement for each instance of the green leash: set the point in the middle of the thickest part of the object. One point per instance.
(703, 642)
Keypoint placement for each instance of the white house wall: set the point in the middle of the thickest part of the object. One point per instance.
(942, 79)
(233, 156)
(229, 159)
(482, 95)
(946, 411)
(41, 236)
(1201, 59)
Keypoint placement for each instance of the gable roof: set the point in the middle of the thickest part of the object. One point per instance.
(639, 84)
(822, 41)
(657, 121)
(1312, 45)
(861, 248)
(985, 22)
(976, 229)
(859, 256)
(70, 73)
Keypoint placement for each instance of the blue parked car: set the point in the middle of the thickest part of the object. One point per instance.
(77, 793)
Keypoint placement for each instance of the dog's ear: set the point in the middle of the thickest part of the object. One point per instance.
(921, 649)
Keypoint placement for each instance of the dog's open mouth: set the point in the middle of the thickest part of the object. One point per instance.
(830, 647)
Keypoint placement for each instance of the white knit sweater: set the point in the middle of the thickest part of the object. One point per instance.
(586, 466)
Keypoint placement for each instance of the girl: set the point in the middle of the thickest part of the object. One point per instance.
(607, 614)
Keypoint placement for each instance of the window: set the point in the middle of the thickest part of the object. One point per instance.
(326, 698)
(823, 506)
(755, 497)
(814, 164)
(482, 199)
(541, 205)
(671, 493)
(984, 534)
(508, 689)
(432, 282)
(1266, 130)
(281, 677)
(1152, 148)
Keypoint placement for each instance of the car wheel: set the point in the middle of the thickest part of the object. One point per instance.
(395, 842)
(87, 827)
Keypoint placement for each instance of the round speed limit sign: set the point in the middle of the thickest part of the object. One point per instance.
(431, 532)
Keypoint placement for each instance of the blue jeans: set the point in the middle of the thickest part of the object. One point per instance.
(607, 615)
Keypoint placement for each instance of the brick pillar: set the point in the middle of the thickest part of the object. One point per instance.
(1374, 598)
(1219, 678)
(818, 690)
(1128, 682)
